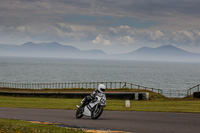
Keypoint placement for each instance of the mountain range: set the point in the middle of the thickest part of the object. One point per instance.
(162, 53)
(54, 49)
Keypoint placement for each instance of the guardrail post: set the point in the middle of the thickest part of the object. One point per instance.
(93, 84)
(170, 93)
(178, 92)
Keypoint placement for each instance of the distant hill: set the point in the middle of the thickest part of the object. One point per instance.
(95, 51)
(162, 53)
(52, 49)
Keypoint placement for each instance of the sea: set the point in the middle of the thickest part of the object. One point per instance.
(161, 75)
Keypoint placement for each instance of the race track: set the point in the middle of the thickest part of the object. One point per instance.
(136, 122)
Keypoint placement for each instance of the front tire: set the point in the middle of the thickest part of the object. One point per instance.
(79, 112)
(97, 112)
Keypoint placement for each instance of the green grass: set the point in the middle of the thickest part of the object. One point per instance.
(158, 106)
(51, 103)
(167, 105)
(18, 126)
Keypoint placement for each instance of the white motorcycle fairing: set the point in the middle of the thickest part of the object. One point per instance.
(95, 106)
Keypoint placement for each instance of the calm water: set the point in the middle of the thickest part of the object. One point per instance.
(163, 75)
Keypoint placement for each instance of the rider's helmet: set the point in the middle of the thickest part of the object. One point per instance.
(101, 88)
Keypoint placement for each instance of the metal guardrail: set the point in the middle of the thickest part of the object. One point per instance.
(175, 93)
(80, 85)
(92, 85)
(193, 89)
(181, 93)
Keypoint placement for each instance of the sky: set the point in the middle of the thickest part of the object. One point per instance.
(114, 26)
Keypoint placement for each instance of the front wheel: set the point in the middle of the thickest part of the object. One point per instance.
(79, 112)
(98, 109)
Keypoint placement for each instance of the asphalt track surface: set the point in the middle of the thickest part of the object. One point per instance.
(136, 122)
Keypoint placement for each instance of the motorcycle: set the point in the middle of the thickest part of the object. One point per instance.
(94, 109)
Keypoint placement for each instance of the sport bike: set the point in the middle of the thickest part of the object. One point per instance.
(93, 109)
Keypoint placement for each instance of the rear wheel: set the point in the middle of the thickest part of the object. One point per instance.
(79, 112)
(98, 109)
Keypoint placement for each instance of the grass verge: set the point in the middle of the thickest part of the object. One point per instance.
(153, 95)
(19, 126)
(170, 105)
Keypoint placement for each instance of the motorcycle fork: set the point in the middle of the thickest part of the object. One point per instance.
(96, 107)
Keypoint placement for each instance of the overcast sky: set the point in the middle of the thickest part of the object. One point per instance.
(115, 26)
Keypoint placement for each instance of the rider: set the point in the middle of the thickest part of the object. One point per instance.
(99, 91)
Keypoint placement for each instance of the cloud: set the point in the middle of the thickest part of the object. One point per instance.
(21, 28)
(124, 27)
(183, 37)
(113, 30)
(126, 40)
(128, 35)
(168, 13)
(106, 22)
(100, 40)
(163, 37)
(155, 35)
